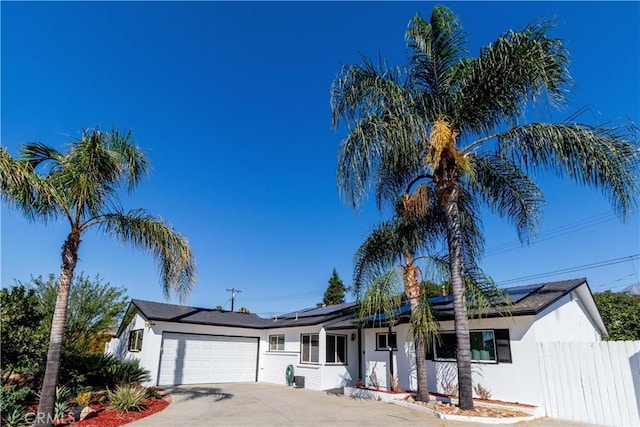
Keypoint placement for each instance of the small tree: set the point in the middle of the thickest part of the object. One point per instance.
(335, 291)
(94, 307)
(620, 312)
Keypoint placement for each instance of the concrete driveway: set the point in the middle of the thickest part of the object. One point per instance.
(259, 404)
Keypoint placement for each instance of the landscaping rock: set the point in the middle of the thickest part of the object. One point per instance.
(86, 413)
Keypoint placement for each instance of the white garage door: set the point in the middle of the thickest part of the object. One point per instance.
(204, 359)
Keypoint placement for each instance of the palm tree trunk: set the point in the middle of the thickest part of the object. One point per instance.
(419, 343)
(412, 290)
(48, 393)
(463, 342)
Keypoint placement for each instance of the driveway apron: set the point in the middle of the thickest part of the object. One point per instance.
(260, 404)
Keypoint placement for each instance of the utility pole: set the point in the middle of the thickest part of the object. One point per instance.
(233, 295)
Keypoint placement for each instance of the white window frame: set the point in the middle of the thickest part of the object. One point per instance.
(386, 340)
(135, 340)
(310, 354)
(335, 349)
(276, 342)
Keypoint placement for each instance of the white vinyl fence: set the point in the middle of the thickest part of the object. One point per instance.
(592, 382)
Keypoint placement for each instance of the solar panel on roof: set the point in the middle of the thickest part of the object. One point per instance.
(440, 300)
(315, 311)
(521, 292)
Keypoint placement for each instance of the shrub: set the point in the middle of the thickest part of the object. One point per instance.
(62, 406)
(127, 398)
(83, 399)
(482, 392)
(100, 371)
(128, 372)
(152, 392)
(17, 416)
(13, 395)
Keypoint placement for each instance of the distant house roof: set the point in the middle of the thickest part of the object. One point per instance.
(208, 316)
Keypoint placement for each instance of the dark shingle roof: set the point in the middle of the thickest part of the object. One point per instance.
(207, 316)
(526, 300)
(533, 300)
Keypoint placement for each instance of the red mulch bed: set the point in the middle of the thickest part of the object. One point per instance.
(110, 418)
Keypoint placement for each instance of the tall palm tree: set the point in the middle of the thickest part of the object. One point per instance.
(81, 186)
(450, 122)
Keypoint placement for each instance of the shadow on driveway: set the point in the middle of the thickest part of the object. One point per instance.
(185, 393)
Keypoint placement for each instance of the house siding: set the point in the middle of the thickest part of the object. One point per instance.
(378, 361)
(498, 378)
(566, 320)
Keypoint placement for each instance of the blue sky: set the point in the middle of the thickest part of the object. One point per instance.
(230, 101)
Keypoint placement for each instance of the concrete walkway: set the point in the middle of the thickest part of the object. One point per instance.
(260, 404)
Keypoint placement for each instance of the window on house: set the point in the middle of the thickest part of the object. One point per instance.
(135, 340)
(276, 342)
(310, 348)
(503, 345)
(336, 349)
(385, 340)
(486, 346)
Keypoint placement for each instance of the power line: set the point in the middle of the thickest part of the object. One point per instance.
(574, 269)
(554, 233)
(288, 297)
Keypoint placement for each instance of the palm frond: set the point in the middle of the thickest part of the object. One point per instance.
(25, 190)
(364, 91)
(436, 47)
(382, 299)
(423, 324)
(483, 294)
(38, 154)
(507, 191)
(604, 158)
(135, 163)
(381, 150)
(170, 249)
(378, 254)
(518, 67)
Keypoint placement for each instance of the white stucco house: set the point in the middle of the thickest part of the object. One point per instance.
(189, 345)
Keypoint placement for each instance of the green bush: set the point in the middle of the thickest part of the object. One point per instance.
(128, 372)
(98, 371)
(127, 398)
(12, 395)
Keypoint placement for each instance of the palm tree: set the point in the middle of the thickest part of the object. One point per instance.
(81, 187)
(394, 245)
(453, 122)
(390, 243)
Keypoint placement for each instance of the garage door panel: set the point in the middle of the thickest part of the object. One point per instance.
(200, 359)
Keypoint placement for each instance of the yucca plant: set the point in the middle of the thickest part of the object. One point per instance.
(126, 398)
(17, 416)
